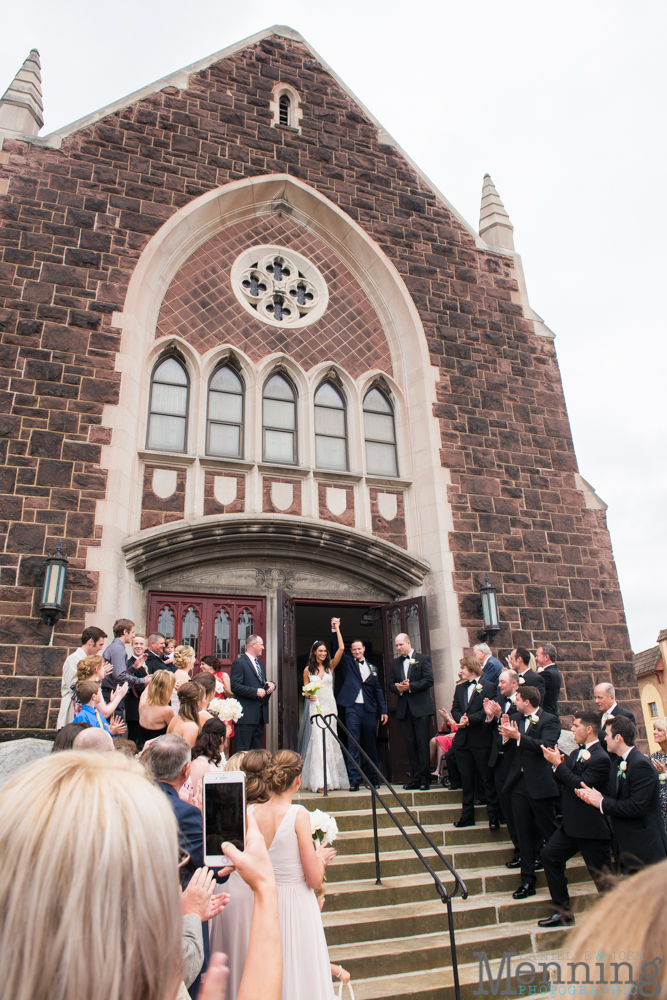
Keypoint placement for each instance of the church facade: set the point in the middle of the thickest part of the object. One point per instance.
(256, 370)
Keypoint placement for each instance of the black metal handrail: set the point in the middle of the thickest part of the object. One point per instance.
(445, 896)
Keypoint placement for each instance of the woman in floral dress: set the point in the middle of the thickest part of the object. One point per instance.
(659, 759)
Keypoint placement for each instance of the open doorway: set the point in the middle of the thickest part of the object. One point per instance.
(313, 623)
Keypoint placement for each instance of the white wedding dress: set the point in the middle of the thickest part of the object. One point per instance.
(313, 767)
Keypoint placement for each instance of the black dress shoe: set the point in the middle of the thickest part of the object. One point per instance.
(514, 863)
(411, 785)
(557, 920)
(354, 788)
(454, 788)
(425, 786)
(539, 867)
(494, 824)
(464, 821)
(523, 891)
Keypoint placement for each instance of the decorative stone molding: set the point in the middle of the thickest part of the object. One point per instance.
(279, 286)
(153, 554)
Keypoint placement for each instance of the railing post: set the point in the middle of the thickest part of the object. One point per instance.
(378, 880)
(324, 758)
(452, 945)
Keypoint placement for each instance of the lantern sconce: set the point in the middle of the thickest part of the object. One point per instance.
(51, 605)
(488, 608)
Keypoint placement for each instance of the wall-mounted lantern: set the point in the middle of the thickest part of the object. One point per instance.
(51, 604)
(489, 610)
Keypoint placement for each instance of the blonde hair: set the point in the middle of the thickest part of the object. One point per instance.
(87, 667)
(661, 724)
(235, 763)
(184, 657)
(472, 664)
(160, 688)
(284, 769)
(75, 827)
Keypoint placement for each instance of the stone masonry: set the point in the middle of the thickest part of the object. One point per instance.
(73, 223)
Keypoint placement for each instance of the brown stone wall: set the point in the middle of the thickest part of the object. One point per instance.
(267, 503)
(201, 307)
(73, 224)
(211, 505)
(394, 530)
(347, 517)
(155, 510)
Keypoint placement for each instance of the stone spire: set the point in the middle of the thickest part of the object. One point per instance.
(495, 227)
(21, 105)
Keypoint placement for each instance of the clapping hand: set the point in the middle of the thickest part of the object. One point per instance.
(335, 624)
(492, 708)
(198, 897)
(659, 766)
(508, 729)
(463, 721)
(555, 757)
(589, 795)
(403, 686)
(117, 727)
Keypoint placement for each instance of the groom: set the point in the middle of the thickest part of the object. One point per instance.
(360, 696)
(250, 688)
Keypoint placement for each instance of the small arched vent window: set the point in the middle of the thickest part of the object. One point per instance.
(279, 421)
(380, 434)
(225, 414)
(168, 413)
(330, 430)
(284, 105)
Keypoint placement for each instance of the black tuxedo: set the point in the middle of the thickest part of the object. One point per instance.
(582, 829)
(633, 805)
(617, 710)
(245, 682)
(413, 711)
(532, 679)
(472, 744)
(552, 685)
(533, 788)
(500, 762)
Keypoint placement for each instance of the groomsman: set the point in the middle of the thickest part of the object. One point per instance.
(545, 657)
(473, 742)
(605, 699)
(251, 689)
(531, 780)
(519, 660)
(491, 667)
(500, 760)
(411, 680)
(633, 804)
(582, 829)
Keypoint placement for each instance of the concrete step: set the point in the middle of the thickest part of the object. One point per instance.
(361, 819)
(361, 841)
(352, 801)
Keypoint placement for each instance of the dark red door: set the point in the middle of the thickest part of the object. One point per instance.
(409, 617)
(213, 626)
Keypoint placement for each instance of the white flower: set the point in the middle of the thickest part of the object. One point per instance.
(219, 686)
(662, 777)
(226, 709)
(521, 680)
(323, 827)
(623, 766)
(412, 663)
(584, 755)
(540, 669)
(312, 687)
(478, 687)
(534, 718)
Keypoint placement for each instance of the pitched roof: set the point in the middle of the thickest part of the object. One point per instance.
(646, 661)
(662, 635)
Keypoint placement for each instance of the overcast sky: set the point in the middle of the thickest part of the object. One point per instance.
(561, 102)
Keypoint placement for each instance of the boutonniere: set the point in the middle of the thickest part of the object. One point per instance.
(621, 769)
(478, 687)
(662, 777)
(521, 680)
(584, 755)
(534, 719)
(373, 670)
(412, 663)
(540, 669)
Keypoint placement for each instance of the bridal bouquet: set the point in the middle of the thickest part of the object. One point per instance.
(226, 709)
(312, 688)
(323, 827)
(219, 686)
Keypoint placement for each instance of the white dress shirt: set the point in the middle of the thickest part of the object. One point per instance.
(605, 715)
(365, 672)
(406, 664)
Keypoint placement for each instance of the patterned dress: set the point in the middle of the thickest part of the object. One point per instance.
(662, 757)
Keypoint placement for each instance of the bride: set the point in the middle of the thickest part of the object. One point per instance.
(320, 665)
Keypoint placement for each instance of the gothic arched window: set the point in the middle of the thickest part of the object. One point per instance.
(380, 434)
(330, 429)
(284, 110)
(168, 412)
(279, 421)
(225, 414)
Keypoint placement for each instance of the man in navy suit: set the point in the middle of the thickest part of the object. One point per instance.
(169, 757)
(251, 689)
(360, 696)
(491, 667)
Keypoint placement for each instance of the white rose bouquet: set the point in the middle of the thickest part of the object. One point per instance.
(226, 709)
(323, 827)
(219, 686)
(311, 689)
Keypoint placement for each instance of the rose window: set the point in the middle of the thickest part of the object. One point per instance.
(279, 286)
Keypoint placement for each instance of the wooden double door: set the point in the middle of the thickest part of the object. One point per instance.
(213, 626)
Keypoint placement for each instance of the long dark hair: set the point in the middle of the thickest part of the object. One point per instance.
(313, 665)
(208, 741)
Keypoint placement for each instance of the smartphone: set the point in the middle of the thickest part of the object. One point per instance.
(223, 810)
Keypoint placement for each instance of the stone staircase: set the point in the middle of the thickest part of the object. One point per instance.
(393, 938)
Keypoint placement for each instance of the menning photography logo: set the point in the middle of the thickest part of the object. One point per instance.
(571, 974)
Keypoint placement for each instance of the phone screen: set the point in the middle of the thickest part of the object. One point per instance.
(224, 816)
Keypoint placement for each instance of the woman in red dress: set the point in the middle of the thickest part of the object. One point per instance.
(441, 743)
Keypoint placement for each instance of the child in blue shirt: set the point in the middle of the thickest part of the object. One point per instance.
(89, 694)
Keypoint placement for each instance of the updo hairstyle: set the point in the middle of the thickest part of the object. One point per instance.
(184, 658)
(255, 764)
(285, 768)
(189, 696)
